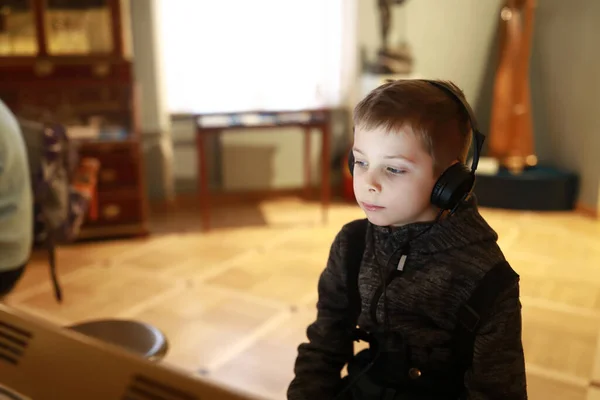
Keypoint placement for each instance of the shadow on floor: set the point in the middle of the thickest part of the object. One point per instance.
(188, 219)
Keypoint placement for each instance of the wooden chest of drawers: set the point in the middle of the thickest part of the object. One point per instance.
(122, 201)
(69, 93)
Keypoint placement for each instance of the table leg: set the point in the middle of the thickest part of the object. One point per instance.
(325, 170)
(203, 191)
(307, 167)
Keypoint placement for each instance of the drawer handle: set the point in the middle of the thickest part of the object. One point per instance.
(111, 211)
(100, 70)
(108, 175)
(43, 68)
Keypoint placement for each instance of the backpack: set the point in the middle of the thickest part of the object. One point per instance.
(60, 205)
(470, 315)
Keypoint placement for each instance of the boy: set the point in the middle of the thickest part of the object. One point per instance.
(16, 203)
(419, 266)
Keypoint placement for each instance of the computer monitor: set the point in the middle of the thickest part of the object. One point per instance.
(42, 361)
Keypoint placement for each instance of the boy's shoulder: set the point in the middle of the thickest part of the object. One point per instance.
(355, 226)
(352, 230)
(479, 267)
(352, 234)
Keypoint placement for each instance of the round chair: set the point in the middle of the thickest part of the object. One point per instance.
(134, 336)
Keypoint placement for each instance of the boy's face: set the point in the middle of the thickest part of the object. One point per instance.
(393, 177)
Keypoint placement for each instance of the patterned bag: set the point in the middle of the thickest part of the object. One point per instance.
(61, 200)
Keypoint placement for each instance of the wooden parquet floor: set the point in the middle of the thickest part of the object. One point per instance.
(235, 302)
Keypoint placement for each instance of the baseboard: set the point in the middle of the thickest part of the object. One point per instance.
(117, 231)
(587, 210)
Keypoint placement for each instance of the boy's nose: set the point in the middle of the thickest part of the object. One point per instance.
(373, 183)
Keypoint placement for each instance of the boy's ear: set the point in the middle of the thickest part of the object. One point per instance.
(456, 161)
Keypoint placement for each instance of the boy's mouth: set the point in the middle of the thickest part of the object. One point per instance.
(371, 207)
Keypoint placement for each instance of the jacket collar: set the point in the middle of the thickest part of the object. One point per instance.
(465, 227)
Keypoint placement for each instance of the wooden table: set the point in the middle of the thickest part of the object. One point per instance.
(214, 124)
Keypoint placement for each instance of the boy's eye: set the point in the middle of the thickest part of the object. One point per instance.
(360, 163)
(396, 171)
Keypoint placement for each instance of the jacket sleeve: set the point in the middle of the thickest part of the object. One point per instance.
(498, 368)
(320, 360)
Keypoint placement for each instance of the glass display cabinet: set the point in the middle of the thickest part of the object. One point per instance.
(70, 62)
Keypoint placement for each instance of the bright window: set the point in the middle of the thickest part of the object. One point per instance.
(238, 55)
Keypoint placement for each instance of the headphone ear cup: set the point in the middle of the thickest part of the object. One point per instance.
(351, 162)
(455, 183)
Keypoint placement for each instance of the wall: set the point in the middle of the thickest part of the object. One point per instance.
(566, 83)
(155, 121)
(447, 40)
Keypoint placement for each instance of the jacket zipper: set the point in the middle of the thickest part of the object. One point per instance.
(379, 291)
(374, 302)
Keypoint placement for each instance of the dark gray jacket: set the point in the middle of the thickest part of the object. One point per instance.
(443, 266)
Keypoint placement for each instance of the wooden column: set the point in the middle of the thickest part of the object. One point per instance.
(511, 132)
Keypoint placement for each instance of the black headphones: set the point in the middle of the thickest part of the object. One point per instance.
(456, 183)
